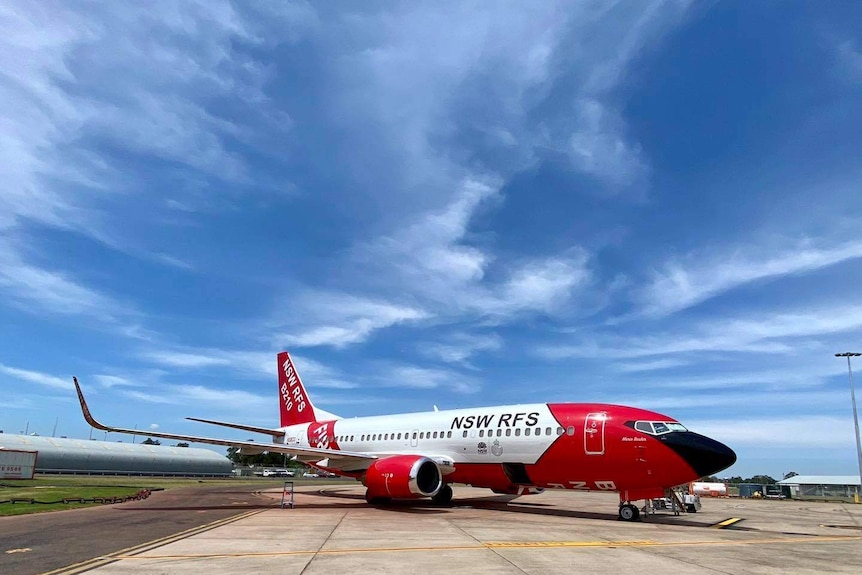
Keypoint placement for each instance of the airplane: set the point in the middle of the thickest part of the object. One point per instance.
(510, 449)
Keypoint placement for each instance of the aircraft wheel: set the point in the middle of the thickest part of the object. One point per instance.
(629, 512)
(443, 496)
(376, 500)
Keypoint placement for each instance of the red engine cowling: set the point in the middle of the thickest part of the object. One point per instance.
(403, 477)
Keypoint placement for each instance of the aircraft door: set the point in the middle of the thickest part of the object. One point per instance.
(594, 433)
(414, 438)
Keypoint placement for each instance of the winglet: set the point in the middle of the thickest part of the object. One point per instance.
(87, 415)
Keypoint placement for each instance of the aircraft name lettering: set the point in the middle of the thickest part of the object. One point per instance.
(505, 420)
(291, 393)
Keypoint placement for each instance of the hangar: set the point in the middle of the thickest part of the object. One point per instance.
(61, 455)
(823, 486)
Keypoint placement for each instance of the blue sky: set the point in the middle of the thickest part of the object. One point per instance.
(450, 203)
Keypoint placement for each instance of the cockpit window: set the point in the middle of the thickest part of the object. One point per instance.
(644, 426)
(658, 427)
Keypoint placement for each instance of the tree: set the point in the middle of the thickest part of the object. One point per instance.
(763, 479)
(790, 474)
(182, 444)
(151, 441)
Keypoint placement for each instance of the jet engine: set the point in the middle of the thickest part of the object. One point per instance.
(403, 477)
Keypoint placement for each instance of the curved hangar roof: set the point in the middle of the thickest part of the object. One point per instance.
(61, 455)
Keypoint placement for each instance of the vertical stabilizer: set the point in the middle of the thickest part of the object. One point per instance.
(295, 405)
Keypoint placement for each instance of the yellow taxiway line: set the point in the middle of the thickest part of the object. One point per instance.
(129, 551)
(498, 545)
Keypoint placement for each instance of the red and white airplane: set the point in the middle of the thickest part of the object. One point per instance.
(512, 449)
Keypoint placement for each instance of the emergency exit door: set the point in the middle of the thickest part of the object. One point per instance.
(594, 433)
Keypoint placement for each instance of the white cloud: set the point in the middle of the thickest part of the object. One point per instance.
(460, 347)
(109, 381)
(680, 286)
(815, 431)
(850, 60)
(762, 332)
(411, 376)
(338, 320)
(201, 395)
(36, 377)
(154, 426)
(40, 290)
(783, 399)
(653, 365)
(599, 148)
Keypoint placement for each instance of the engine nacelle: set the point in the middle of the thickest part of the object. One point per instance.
(403, 477)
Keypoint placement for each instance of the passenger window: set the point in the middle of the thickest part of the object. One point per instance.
(465, 433)
(527, 431)
(414, 435)
(351, 438)
(644, 426)
(421, 435)
(435, 435)
(517, 432)
(449, 434)
(559, 431)
(548, 431)
(570, 430)
(481, 433)
(399, 436)
(508, 432)
(499, 432)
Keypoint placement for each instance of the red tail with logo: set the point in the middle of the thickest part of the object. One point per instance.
(295, 404)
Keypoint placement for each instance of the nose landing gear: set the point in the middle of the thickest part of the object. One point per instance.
(629, 512)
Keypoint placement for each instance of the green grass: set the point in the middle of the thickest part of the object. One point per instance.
(58, 487)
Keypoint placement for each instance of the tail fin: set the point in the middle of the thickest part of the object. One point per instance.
(296, 406)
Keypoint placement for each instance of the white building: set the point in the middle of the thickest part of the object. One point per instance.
(61, 455)
(823, 486)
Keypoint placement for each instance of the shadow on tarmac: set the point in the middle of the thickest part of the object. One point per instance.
(502, 503)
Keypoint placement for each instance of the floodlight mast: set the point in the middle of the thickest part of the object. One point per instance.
(848, 355)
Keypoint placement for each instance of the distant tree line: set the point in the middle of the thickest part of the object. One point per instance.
(760, 479)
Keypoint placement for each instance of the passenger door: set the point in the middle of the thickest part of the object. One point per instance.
(594, 433)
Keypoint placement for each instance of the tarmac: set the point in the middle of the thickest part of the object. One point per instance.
(332, 530)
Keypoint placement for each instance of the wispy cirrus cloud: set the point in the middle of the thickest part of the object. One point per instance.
(763, 332)
(416, 377)
(460, 347)
(446, 275)
(679, 286)
(810, 431)
(36, 377)
(340, 319)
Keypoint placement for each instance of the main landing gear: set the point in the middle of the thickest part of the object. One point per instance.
(376, 500)
(629, 512)
(444, 496)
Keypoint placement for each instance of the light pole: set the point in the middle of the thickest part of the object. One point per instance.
(848, 355)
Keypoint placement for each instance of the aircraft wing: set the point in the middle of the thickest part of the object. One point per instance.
(253, 429)
(337, 459)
